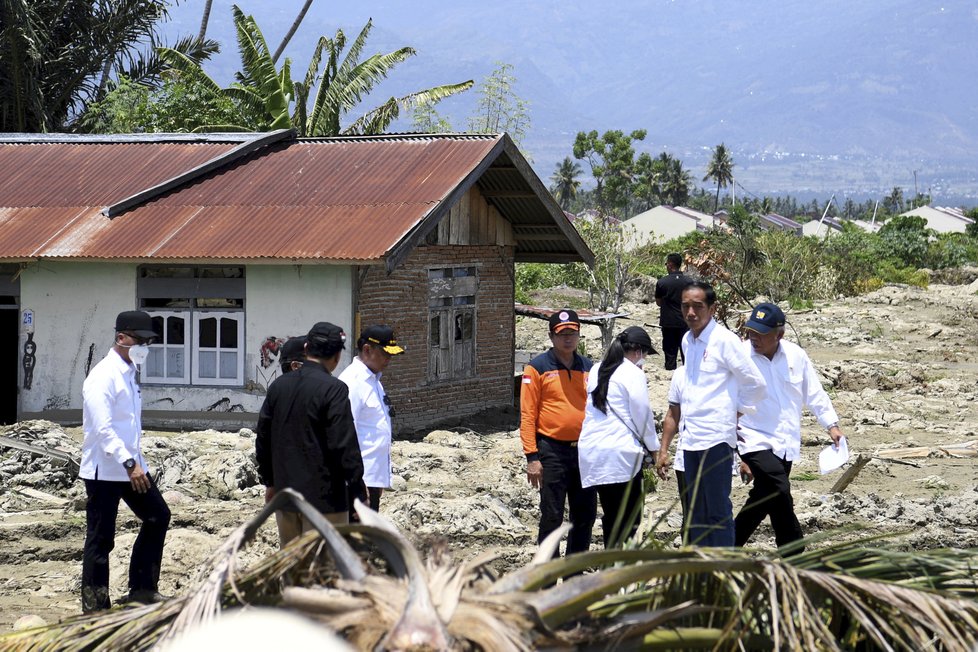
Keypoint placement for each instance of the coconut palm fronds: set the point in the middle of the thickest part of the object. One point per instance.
(835, 598)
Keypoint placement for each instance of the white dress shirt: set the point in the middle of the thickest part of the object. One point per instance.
(373, 422)
(792, 384)
(608, 451)
(676, 387)
(111, 421)
(720, 380)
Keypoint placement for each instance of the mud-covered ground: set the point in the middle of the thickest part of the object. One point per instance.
(900, 365)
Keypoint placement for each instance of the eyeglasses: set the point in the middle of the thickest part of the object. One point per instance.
(390, 408)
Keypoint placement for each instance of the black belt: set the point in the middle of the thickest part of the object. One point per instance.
(562, 442)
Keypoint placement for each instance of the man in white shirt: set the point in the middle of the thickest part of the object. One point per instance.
(372, 411)
(721, 380)
(113, 468)
(770, 438)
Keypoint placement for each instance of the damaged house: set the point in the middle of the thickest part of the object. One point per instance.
(235, 242)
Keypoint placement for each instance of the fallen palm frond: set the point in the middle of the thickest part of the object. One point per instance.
(838, 597)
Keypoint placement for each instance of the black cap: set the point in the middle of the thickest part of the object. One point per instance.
(636, 335)
(293, 349)
(563, 320)
(330, 334)
(382, 336)
(137, 322)
(765, 317)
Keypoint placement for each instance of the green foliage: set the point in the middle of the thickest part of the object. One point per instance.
(905, 239)
(500, 108)
(337, 80)
(537, 276)
(951, 250)
(720, 170)
(56, 57)
(890, 273)
(852, 255)
(611, 157)
(566, 182)
(178, 105)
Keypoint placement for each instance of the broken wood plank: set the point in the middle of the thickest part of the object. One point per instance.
(41, 495)
(849, 475)
(17, 444)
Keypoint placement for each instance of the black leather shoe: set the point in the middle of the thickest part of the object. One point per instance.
(144, 596)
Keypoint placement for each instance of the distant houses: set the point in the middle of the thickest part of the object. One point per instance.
(943, 219)
(667, 222)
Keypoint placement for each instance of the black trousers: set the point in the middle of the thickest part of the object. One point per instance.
(621, 501)
(671, 340)
(770, 495)
(562, 483)
(147, 552)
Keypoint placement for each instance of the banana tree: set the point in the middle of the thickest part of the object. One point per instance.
(268, 98)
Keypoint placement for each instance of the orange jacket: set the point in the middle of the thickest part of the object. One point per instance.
(552, 399)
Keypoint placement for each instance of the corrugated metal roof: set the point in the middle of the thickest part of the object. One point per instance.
(339, 199)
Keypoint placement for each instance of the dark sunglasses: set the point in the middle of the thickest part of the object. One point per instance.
(390, 408)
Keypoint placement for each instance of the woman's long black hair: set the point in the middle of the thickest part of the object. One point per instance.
(632, 338)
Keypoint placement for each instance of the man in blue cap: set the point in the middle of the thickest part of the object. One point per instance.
(769, 439)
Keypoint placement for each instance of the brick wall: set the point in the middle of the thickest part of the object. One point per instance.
(401, 300)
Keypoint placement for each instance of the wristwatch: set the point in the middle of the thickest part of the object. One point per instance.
(130, 464)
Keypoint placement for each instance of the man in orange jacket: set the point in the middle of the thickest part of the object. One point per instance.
(552, 399)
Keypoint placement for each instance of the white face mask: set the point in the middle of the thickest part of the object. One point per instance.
(639, 363)
(138, 353)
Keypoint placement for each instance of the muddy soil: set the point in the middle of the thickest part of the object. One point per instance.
(900, 365)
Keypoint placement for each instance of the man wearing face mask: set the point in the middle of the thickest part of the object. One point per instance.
(113, 469)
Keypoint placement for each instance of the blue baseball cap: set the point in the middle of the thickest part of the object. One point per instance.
(765, 317)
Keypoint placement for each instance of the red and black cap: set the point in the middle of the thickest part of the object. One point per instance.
(564, 320)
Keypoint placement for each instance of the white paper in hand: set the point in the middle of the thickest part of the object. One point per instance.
(833, 457)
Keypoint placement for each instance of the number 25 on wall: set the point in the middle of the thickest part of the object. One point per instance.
(27, 322)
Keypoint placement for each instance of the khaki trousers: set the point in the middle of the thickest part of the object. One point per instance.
(293, 524)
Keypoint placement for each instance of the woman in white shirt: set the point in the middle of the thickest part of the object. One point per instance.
(618, 430)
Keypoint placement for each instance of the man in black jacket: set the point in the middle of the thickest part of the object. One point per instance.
(307, 440)
(669, 296)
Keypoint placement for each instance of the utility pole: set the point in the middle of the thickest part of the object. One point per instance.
(915, 193)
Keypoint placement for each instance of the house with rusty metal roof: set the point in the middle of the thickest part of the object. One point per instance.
(235, 242)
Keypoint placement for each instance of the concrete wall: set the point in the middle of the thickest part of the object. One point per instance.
(75, 305)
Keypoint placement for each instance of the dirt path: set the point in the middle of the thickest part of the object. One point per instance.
(900, 365)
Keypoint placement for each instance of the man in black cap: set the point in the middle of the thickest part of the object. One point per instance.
(113, 469)
(669, 298)
(769, 439)
(372, 411)
(306, 439)
(292, 354)
(553, 395)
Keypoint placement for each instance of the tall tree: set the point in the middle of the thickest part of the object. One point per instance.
(565, 182)
(204, 19)
(55, 56)
(720, 171)
(611, 157)
(268, 98)
(500, 108)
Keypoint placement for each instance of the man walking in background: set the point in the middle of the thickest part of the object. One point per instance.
(668, 296)
(770, 438)
(372, 411)
(113, 469)
(553, 395)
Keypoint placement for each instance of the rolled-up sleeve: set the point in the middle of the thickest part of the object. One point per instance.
(816, 398)
(752, 388)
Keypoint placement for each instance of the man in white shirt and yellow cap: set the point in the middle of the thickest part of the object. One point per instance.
(372, 410)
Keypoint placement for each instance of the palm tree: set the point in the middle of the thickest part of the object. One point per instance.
(268, 98)
(720, 170)
(675, 181)
(565, 182)
(844, 597)
(56, 56)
